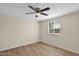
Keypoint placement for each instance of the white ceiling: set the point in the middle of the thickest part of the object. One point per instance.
(19, 9)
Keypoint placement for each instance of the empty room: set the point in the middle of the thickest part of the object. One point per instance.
(39, 29)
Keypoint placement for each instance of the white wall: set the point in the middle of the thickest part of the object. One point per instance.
(16, 32)
(70, 33)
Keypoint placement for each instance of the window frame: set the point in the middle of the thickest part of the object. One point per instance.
(54, 32)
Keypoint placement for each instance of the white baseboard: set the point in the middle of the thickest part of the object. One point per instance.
(60, 47)
(19, 45)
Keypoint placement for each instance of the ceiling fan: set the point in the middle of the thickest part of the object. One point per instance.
(38, 11)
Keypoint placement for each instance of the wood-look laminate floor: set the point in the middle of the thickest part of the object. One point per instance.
(37, 49)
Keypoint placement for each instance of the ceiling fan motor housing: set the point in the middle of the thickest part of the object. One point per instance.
(38, 10)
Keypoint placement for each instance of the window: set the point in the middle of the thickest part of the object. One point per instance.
(54, 27)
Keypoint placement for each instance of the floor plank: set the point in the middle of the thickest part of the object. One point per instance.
(37, 49)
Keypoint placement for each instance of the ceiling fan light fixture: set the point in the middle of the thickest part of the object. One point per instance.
(37, 14)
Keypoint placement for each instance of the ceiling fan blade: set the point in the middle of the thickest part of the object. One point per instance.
(32, 8)
(45, 9)
(30, 13)
(44, 14)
